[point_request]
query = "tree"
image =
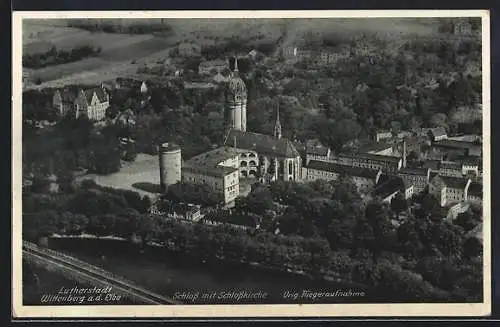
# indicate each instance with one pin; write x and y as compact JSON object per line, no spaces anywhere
{"x":399,"y":203}
{"x":467,"y":220}
{"x":378,"y":218}
{"x":472,"y":247}
{"x":395,"y":128}
{"x":439,"y":120}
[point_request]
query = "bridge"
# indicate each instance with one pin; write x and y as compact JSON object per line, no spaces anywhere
{"x":92,"y":274}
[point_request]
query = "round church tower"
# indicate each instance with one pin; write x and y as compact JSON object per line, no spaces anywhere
{"x":236,"y":101}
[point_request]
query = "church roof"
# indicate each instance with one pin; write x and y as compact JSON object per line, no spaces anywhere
{"x":262,"y":144}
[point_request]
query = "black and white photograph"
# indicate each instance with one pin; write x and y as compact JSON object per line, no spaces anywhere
{"x":221,"y":164}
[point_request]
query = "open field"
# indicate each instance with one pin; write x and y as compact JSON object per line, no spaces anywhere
{"x":117,"y":50}
{"x":144,"y":170}
{"x":122,"y":54}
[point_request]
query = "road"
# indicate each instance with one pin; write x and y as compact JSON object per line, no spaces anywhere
{"x":86,"y":271}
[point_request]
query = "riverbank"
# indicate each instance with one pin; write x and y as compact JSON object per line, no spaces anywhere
{"x":194,"y":282}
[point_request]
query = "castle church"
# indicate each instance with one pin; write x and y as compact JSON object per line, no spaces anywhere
{"x":266,"y":157}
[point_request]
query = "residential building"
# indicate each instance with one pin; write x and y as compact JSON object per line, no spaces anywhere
{"x":417,"y":177}
{"x":92,"y":103}
{"x":387,"y":135}
{"x":389,"y":187}
{"x":387,"y":164}
{"x":290,"y":53}
{"x":433,"y":165}
{"x":184,"y":211}
{"x":457,"y":148}
{"x":450,"y":168}
{"x":317,"y":152}
{"x":333,"y":57}
{"x":475,"y":193}
{"x":380,"y":148}
{"x":64,"y":101}
{"x":449,"y":190}
{"x":437,"y":134}
{"x":364,"y":178}
{"x":139,"y":86}
{"x":212,"y":66}
{"x":462,"y":27}
{"x":218,"y":169}
{"x":382,"y":135}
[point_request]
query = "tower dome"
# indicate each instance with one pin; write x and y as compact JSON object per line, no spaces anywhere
{"x":236,"y":86}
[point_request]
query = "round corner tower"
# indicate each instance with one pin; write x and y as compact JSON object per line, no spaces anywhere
{"x":170,"y":164}
{"x":236,"y":101}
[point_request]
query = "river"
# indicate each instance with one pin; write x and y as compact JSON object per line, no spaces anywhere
{"x":186,"y":279}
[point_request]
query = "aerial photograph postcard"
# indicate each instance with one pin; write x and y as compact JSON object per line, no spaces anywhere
{"x":251,"y":164}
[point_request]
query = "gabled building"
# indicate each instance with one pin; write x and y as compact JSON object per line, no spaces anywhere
{"x":390,"y":186}
{"x":449,"y":190}
{"x":262,"y":154}
{"x":92,"y":103}
{"x":64,"y":101}
{"x":416,"y":177}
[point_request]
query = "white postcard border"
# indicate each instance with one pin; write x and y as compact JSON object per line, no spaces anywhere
{"x":200,"y":311}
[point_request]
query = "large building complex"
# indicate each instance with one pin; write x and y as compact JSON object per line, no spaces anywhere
{"x":218,"y":169}
{"x":244,"y":154}
{"x":268,"y":157}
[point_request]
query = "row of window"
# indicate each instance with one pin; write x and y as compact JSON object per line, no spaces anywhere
{"x":250,"y":155}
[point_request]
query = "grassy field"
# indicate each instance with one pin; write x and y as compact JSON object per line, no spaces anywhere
{"x":117,"y":51}
{"x":122,"y":54}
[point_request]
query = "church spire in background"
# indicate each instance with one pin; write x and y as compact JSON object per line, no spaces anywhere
{"x":235,"y":64}
{"x":277,"y":125}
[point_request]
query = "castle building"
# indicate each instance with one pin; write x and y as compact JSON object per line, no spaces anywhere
{"x":218,"y":169}
{"x":268,"y":157}
{"x":170,"y":164}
